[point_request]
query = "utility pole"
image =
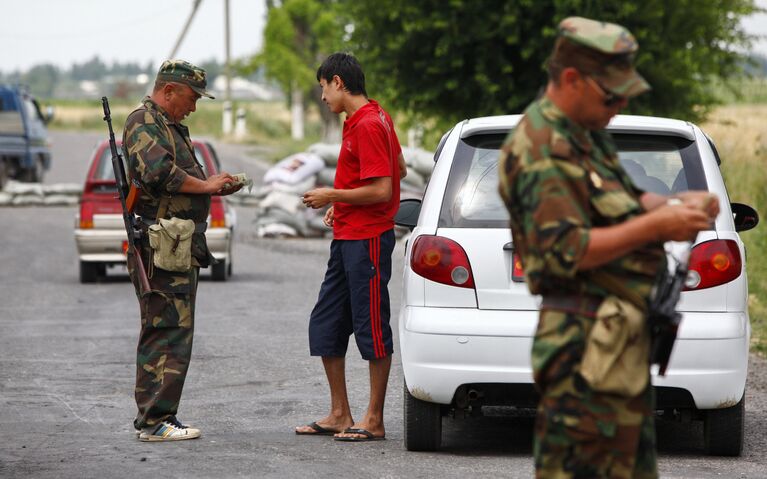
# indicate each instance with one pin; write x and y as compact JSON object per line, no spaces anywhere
{"x":180,"y":39}
{"x":185,"y":29}
{"x":226,"y":125}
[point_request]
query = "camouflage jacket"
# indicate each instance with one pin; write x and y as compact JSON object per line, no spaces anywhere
{"x":160,"y":164}
{"x":559,"y":180}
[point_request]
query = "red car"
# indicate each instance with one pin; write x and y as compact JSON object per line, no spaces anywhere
{"x":99,"y":230}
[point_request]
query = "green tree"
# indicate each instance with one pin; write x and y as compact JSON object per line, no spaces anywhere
{"x":298,"y":35}
{"x":42,"y":79}
{"x":93,"y":69}
{"x":463,"y":58}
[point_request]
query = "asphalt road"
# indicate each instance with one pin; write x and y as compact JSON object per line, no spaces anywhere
{"x":67,"y":355}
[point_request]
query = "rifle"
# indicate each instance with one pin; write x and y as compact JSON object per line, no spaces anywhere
{"x":127,"y":198}
{"x":662,"y":316}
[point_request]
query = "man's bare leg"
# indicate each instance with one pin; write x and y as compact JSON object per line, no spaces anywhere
{"x":373,"y":420}
{"x":340,"y":416}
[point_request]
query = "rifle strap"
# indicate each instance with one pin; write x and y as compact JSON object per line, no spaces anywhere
{"x":615,"y":286}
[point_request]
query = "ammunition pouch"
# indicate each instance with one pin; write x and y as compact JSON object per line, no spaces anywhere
{"x":617,"y":349}
{"x":171,"y":243}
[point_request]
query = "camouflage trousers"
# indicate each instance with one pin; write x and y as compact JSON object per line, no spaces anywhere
{"x":579,"y":432}
{"x":164,"y":349}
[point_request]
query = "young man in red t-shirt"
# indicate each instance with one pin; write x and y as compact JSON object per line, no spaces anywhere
{"x":354,"y":297}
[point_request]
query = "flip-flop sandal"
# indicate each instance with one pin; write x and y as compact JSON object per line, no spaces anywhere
{"x":363,"y":432}
{"x":318,"y":431}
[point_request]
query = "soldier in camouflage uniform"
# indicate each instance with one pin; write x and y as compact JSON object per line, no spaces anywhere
{"x":574,"y":212}
{"x":162,"y":164}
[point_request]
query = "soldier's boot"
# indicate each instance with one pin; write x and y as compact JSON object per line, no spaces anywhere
{"x":169,"y":430}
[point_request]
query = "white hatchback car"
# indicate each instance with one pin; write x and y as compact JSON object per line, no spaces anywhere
{"x":467,"y":318}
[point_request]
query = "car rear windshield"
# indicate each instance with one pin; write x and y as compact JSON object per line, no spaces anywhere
{"x":104,"y":169}
{"x":656,"y":163}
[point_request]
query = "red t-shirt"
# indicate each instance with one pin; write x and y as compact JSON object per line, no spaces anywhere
{"x":369,"y":149}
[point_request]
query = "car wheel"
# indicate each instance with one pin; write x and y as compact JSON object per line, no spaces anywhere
{"x":34,"y":174}
{"x":723,"y":430}
{"x":218,"y":271}
{"x":423,"y":424}
{"x":90,"y":272}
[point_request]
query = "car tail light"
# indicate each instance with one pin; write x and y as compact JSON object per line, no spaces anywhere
{"x":713,"y":263}
{"x":442,"y":260}
{"x":217,"y":213}
{"x":517,"y":273}
{"x":86,"y":215}
{"x":125,"y":248}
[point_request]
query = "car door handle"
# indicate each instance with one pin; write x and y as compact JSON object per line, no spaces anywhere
{"x":509,"y":246}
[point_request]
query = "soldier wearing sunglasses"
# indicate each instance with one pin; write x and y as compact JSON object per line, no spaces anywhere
{"x":576,"y":217}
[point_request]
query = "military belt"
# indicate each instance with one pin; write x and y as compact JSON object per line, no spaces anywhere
{"x":198,"y":227}
{"x":585,"y":304}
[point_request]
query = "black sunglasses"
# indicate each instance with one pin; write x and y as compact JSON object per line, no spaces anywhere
{"x":608,"y":98}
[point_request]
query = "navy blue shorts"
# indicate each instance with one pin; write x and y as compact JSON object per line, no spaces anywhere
{"x":354,"y":299}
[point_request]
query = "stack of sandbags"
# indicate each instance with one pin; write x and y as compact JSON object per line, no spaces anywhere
{"x":17,"y":193}
{"x":279,"y":209}
{"x":61,"y":194}
{"x":420,"y":164}
{"x":280,"y":212}
{"x":329,"y":154}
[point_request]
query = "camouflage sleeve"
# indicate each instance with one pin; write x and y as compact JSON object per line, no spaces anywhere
{"x":555,"y":218}
{"x":150,"y":156}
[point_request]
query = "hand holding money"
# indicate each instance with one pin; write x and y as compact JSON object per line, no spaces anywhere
{"x":241,"y":180}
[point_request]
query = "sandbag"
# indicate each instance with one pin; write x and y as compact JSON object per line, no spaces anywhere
{"x":19,"y":188}
{"x":62,"y":189}
{"x":326,"y":176}
{"x":286,"y":201}
{"x":419,"y":160}
{"x":294,"y":169}
{"x":275,"y":230}
{"x":298,"y":189}
{"x":327,"y":151}
{"x":27,"y":200}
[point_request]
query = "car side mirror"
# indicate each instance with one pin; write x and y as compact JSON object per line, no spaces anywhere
{"x":408,"y":212}
{"x":745,"y":216}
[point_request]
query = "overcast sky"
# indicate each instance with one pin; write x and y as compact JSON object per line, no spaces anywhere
{"x":66,"y":31}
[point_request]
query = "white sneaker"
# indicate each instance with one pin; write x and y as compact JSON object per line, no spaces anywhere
{"x":169,"y":430}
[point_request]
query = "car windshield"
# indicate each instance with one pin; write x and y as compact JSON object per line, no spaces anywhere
{"x":658,"y":164}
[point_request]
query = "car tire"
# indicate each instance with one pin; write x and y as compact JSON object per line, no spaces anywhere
{"x":90,"y":272}
{"x":423,"y":424}
{"x":34,"y":174}
{"x":724,"y":430}
{"x":218,"y":271}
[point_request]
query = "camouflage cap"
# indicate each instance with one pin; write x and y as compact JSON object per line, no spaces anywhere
{"x":181,"y":71}
{"x":619,"y":47}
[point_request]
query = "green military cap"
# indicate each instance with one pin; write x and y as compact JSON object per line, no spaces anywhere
{"x":181,"y":71}
{"x":617,"y":44}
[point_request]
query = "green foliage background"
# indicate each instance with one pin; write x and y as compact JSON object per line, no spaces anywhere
{"x":455,"y":59}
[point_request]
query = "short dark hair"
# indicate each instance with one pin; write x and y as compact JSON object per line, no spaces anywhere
{"x":347,"y":68}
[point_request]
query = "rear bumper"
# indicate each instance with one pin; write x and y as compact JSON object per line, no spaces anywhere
{"x":219,"y":242}
{"x":100,"y":245}
{"x":444,"y":348}
{"x":106,"y":245}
